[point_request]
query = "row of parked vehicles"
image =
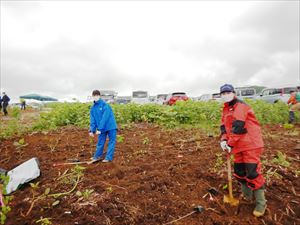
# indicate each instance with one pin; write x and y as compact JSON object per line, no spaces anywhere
{"x":271,"y":95}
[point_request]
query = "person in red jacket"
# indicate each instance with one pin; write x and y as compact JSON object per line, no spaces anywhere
{"x":241,"y":136}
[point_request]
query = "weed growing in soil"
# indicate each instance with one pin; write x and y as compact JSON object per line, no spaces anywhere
{"x":219,"y":163}
{"x":281,"y":160}
{"x":85,"y":194}
{"x":120,"y":138}
{"x":5,"y":209}
{"x":44,"y":221}
{"x":20,"y":144}
{"x":272,"y":175}
{"x":109,"y":189}
{"x":146,"y":141}
{"x":288,"y":126}
{"x":72,"y":178}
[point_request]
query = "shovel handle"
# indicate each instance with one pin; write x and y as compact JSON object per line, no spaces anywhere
{"x":69,"y":163}
{"x":229,"y":176}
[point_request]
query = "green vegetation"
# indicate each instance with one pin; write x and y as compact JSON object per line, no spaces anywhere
{"x":204,"y":115}
{"x":281,"y":160}
{"x":120,"y":138}
{"x":85,"y":194}
{"x":5,"y":209}
{"x":44,"y":221}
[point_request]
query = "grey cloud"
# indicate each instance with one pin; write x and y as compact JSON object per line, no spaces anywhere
{"x":264,"y":31}
{"x":59,"y":68}
{"x":278,"y":22}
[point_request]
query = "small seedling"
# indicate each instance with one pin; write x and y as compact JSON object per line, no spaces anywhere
{"x":44,"y":221}
{"x":288,"y":126}
{"x":280,"y":159}
{"x":53,"y":146}
{"x":120,"y":138}
{"x":20,"y":144}
{"x":109,"y":189}
{"x":146,"y":141}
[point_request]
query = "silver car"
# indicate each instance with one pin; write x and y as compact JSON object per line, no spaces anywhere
{"x":273,"y":95}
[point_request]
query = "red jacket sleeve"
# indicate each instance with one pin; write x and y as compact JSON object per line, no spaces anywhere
{"x":223,"y":129}
{"x":238,"y":124}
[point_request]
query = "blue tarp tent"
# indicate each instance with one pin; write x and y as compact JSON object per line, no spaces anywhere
{"x":38,"y":97}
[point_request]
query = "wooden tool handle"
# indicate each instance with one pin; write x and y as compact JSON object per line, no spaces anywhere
{"x":229,"y":176}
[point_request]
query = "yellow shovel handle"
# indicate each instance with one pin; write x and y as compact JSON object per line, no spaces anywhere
{"x":229,"y":176}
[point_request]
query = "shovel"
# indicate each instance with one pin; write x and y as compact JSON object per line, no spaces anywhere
{"x":229,"y":198}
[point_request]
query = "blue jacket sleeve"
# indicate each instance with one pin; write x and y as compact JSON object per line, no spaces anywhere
{"x":92,"y":123}
{"x":104,"y":118}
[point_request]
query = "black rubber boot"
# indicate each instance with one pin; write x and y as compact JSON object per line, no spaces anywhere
{"x":291,"y":117}
{"x":261,"y":202}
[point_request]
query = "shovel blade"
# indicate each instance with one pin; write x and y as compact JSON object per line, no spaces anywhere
{"x":231,"y":200}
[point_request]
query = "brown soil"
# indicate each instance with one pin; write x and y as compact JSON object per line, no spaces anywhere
{"x":157,"y":176}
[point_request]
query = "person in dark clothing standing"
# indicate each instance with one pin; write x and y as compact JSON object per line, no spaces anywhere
{"x":23,"y":104}
{"x":0,"y":103}
{"x":5,"y":100}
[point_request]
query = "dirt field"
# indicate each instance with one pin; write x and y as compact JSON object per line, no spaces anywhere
{"x":156,"y":177}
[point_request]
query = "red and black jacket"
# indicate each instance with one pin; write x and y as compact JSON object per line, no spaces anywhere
{"x":240,"y":127}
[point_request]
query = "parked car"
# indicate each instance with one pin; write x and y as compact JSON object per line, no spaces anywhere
{"x":176,"y":96}
{"x":140,"y":97}
{"x":210,"y":97}
{"x":273,"y":95}
{"x":160,"y":99}
{"x":108,"y":96}
{"x":122,"y":101}
{"x":245,"y":92}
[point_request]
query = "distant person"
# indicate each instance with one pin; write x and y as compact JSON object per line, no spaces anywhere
{"x":0,"y":103}
{"x":5,"y":101}
{"x":103,"y":123}
{"x":23,"y":104}
{"x":241,"y":136}
{"x":294,"y":104}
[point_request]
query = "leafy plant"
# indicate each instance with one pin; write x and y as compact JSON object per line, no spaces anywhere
{"x":74,"y":178}
{"x":53,"y":145}
{"x":288,"y":126}
{"x":219,"y":162}
{"x":16,"y":113}
{"x":85,"y":194}
{"x":20,"y":144}
{"x":120,"y":138}
{"x":5,"y":208}
{"x":146,"y":141}
{"x":109,"y":189}
{"x":44,"y":221}
{"x":280,"y":159}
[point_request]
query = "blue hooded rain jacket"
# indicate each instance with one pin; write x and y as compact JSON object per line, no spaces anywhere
{"x":102,"y":117}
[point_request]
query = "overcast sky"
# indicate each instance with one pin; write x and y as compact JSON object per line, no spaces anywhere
{"x":67,"y":49}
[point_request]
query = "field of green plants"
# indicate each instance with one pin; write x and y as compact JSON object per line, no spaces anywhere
{"x":204,"y":115}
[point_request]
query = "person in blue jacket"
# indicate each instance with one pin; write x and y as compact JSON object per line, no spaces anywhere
{"x":103,"y":124}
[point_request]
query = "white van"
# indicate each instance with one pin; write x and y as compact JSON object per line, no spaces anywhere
{"x":245,"y":92}
{"x":140,"y":97}
{"x":108,"y":96}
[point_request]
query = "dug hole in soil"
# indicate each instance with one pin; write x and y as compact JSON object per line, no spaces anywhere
{"x":157,"y":176}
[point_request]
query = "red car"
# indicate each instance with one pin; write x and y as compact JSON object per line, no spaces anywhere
{"x":176,"y":96}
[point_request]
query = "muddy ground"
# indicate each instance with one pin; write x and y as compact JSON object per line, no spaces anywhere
{"x":157,"y":176}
